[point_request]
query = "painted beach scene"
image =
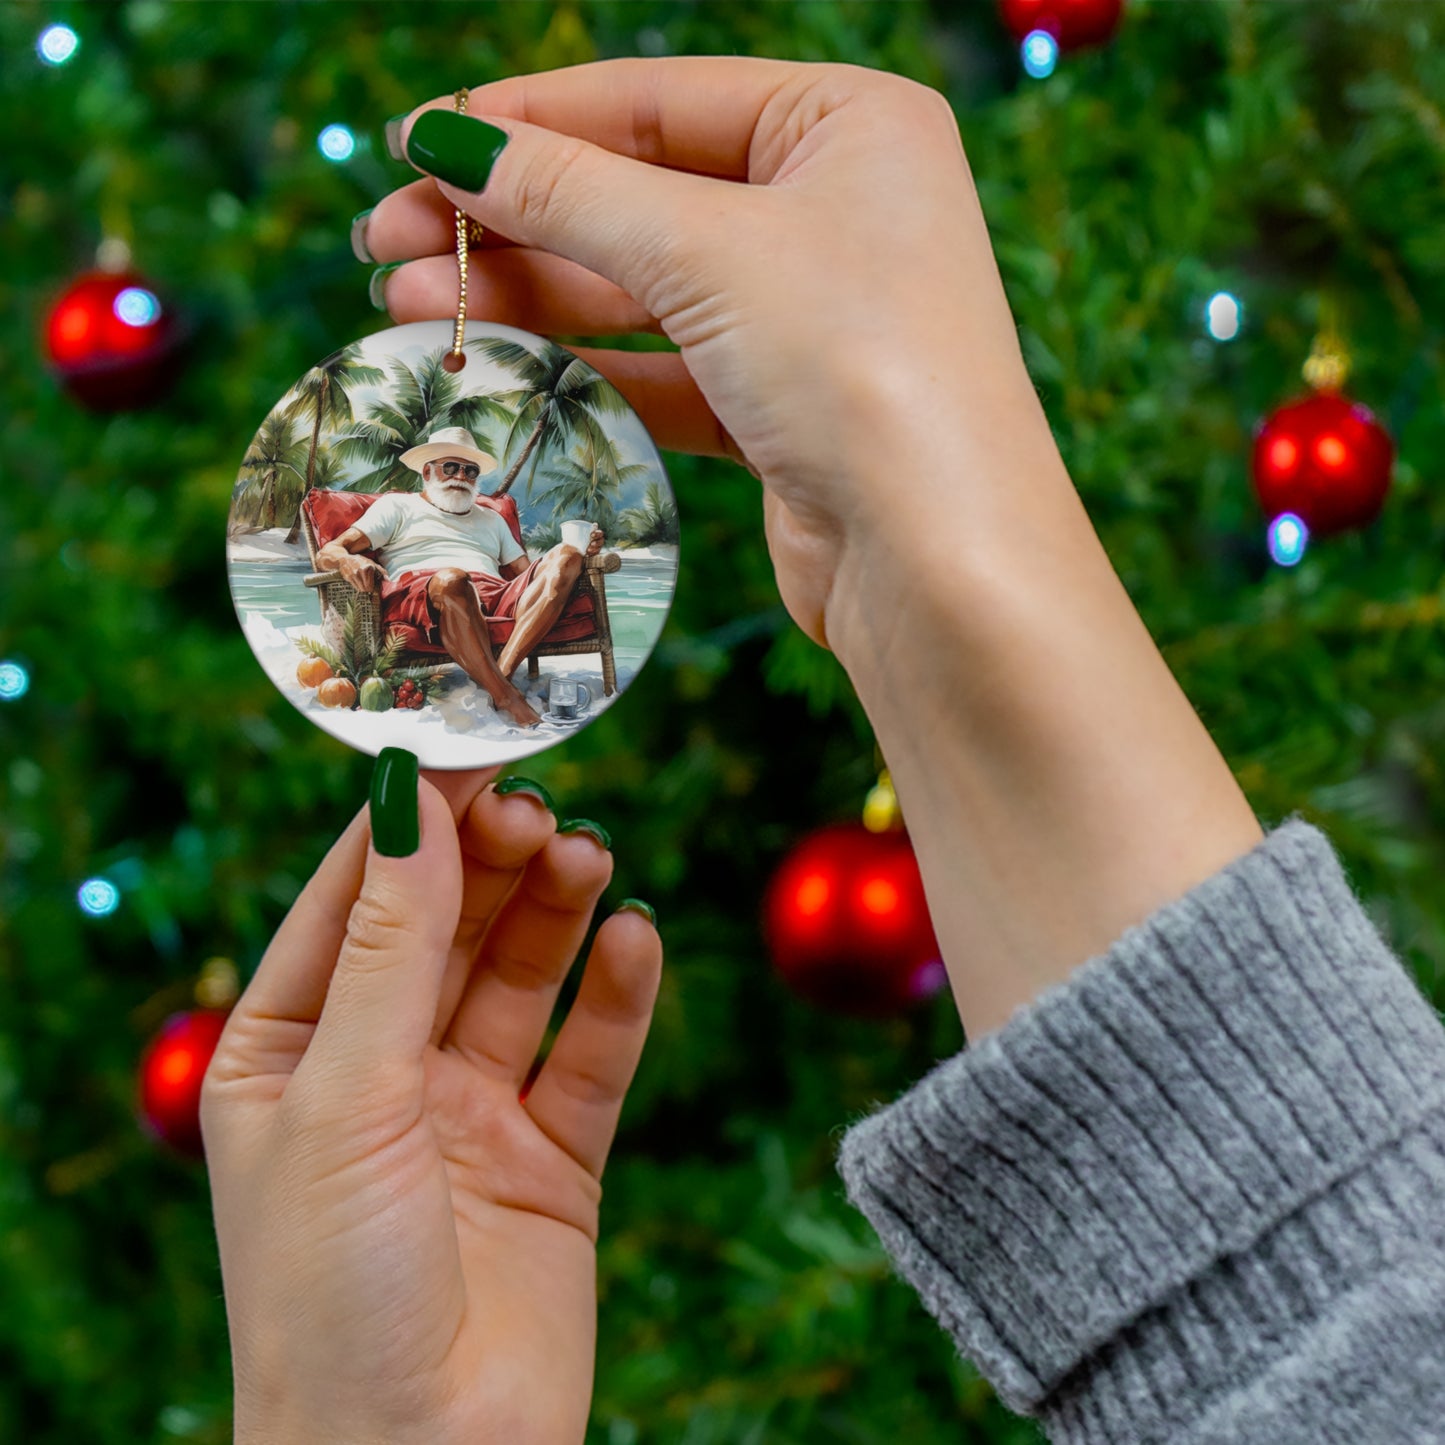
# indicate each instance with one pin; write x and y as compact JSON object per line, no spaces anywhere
{"x":468,"y":563}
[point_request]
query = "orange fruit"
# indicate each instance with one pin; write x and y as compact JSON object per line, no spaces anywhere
{"x":336,"y":692}
{"x":313,"y":672}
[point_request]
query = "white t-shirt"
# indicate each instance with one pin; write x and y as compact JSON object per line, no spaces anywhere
{"x":410,"y":535}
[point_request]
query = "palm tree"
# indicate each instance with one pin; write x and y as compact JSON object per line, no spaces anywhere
{"x":559,"y":400}
{"x":415,"y":403}
{"x":588,"y":483}
{"x":324,"y":394}
{"x":272,"y":478}
{"x":654,"y":521}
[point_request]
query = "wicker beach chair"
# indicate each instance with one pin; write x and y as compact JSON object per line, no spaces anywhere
{"x":583,"y":626}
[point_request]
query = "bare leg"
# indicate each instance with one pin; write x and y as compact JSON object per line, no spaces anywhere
{"x":541,"y":604}
{"x":463,"y":629}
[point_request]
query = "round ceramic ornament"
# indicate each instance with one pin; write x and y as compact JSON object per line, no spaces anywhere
{"x":456,"y":540}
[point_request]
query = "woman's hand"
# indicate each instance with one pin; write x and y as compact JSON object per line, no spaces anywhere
{"x":408,"y":1246}
{"x":834,"y":311}
{"x":811,"y":238}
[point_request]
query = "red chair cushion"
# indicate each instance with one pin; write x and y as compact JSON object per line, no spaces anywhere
{"x":331,"y":513}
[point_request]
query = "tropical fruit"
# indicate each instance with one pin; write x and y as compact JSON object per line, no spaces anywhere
{"x":313,"y":671}
{"x":336,"y":692}
{"x":376,"y":695}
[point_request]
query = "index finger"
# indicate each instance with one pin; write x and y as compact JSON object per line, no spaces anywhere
{"x":696,"y":113}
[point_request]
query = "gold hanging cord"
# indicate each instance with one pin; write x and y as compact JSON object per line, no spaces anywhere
{"x":469,"y":233}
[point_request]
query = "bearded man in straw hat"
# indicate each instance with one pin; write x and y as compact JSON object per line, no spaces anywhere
{"x":447,"y":564}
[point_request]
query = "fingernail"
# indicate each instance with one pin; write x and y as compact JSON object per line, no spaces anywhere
{"x":358,"y":236}
{"x":509,"y":786}
{"x":455,"y":148}
{"x":586,"y":825}
{"x":377,"y":288}
{"x":395,"y":820}
{"x":393,"y":137}
{"x":636,"y":905}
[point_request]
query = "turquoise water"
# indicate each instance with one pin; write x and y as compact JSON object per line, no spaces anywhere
{"x":637,"y":599}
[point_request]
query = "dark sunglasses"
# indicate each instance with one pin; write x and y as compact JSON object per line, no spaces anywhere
{"x":469,"y":470}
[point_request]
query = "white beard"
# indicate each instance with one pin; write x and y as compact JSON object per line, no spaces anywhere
{"x":441,"y":493}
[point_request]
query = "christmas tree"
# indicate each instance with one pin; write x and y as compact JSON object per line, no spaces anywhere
{"x":1280,"y":159}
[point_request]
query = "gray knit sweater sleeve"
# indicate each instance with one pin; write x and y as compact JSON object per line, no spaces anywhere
{"x":1196,"y":1192}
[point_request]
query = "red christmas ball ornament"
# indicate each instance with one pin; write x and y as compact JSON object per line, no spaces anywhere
{"x":1073,"y":23}
{"x":111,"y":341}
{"x":171,"y":1072}
{"x":1324,"y":458}
{"x":848,"y":926}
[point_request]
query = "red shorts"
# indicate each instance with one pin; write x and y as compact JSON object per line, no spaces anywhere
{"x":405,"y":608}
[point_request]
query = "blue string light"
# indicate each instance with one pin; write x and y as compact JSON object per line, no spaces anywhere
{"x":57,"y":44}
{"x":1223,"y":316}
{"x":336,"y":143}
{"x":98,"y":897}
{"x":14,"y":681}
{"x":1288,"y":538}
{"x":1040,"y":52}
{"x":137,"y":307}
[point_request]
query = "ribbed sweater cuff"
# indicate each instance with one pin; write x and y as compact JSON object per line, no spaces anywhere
{"x":1136,"y":1169}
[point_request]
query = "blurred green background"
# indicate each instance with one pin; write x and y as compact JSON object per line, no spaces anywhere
{"x":1287,"y":153}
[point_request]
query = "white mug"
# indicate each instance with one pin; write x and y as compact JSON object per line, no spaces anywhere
{"x":577,"y":533}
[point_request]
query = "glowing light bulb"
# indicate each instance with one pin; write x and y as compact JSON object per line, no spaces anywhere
{"x":336,"y":143}
{"x":1223,"y":316}
{"x":98,"y":897}
{"x":14,"y":681}
{"x":1288,"y":537}
{"x":1040,"y":52}
{"x":57,"y":44}
{"x":137,"y":307}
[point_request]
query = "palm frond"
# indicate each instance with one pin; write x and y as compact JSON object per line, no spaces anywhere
{"x":314,"y":647}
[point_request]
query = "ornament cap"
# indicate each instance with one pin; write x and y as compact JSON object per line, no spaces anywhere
{"x":881,"y":813}
{"x":113,"y":254}
{"x":219,"y":985}
{"x":1328,"y":365}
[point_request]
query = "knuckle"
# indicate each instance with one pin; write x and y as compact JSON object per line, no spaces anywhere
{"x":521,"y":970}
{"x":930,"y":106}
{"x":374,"y":933}
{"x":542,"y":187}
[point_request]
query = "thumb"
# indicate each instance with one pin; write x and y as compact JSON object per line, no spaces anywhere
{"x":382,"y":1000}
{"x":634,"y":224}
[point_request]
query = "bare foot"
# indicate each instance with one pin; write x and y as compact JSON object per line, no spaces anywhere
{"x":515,"y":706}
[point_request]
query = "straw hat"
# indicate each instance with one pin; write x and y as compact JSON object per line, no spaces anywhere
{"x":450,"y":441}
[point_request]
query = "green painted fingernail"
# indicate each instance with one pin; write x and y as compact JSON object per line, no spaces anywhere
{"x":377,"y":289}
{"x":525,"y":785}
{"x":455,"y":148}
{"x":395,"y":811}
{"x":636,"y":905}
{"x":358,"y":236}
{"x":586,"y":825}
{"x":393,"y":136}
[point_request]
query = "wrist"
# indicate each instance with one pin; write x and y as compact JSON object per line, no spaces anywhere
{"x":1057,"y":784}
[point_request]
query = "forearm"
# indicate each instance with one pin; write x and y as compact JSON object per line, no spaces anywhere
{"x":1056,"y":782}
